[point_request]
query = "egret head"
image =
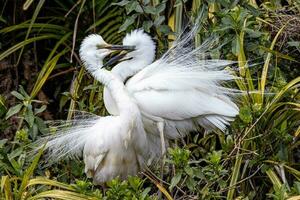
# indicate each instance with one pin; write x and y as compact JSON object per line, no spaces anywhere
{"x":92,"y":53}
{"x":144,"y":46}
{"x":141,"y":54}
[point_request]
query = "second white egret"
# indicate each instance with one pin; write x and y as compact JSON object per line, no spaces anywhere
{"x":177,"y":92}
{"x":113,"y":145}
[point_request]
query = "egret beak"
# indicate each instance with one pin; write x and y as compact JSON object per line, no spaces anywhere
{"x":118,"y":58}
{"x":124,"y":49}
{"x":114,"y":47}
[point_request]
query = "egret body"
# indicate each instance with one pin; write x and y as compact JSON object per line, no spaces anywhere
{"x":179,"y":91}
{"x":114,"y":145}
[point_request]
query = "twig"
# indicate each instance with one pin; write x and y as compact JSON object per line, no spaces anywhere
{"x":75,"y":30}
{"x":61,"y":73}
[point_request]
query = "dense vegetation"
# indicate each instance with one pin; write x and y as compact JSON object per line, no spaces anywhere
{"x":42,"y":78}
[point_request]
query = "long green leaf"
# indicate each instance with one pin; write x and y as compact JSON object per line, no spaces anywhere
{"x":35,"y":25}
{"x":275,"y":180}
{"x":266,"y":65}
{"x":35,"y":14}
{"x":75,"y":87}
{"x":25,"y":42}
{"x":50,"y":56}
{"x":234,"y":177}
{"x":61,"y":194}
{"x":27,"y":4}
{"x":49,"y":68}
{"x":46,"y":181}
{"x":6,"y":187}
{"x":280,"y":94}
{"x":105,"y":19}
{"x":278,"y":54}
{"x":28,"y":173}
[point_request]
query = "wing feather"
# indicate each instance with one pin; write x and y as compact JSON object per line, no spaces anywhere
{"x":183,"y":84}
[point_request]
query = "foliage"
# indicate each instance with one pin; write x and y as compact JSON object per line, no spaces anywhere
{"x":23,"y":187}
{"x":42,"y":79}
{"x":131,"y":189}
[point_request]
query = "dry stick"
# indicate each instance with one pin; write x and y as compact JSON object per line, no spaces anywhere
{"x":61,"y":73}
{"x":149,"y":173}
{"x":94,"y":15}
{"x":74,"y":6}
{"x":243,"y":180}
{"x":75,"y":30}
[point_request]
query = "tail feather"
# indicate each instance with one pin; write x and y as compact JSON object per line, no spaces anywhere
{"x":68,"y":137}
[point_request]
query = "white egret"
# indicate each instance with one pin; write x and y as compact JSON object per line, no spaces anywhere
{"x":173,"y":95}
{"x":113,"y":145}
{"x":179,"y":91}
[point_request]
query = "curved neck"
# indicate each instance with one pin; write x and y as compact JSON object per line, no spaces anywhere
{"x":128,"y":68}
{"x":116,"y":88}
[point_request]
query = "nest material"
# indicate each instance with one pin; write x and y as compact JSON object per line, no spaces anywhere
{"x":291,"y":30}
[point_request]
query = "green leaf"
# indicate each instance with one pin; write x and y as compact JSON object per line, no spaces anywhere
{"x":160,"y":8}
{"x":24,"y":43}
{"x":189,"y":171}
{"x":15,"y":153}
{"x":29,"y":117}
{"x":23,"y":92}
{"x":121,"y":3}
{"x":39,"y":110}
{"x":34,"y":131}
{"x":27,"y":4}
{"x":145,"y":192}
{"x":294,"y":44}
{"x":3,"y":142}
{"x":38,"y":8}
{"x":2,"y":101}
{"x":28,"y":173}
{"x":13,"y":110}
{"x":129,"y":21}
{"x":175,"y":180}
{"x":215,"y":157}
{"x":147,"y":25}
{"x":150,"y":10}
{"x":159,"y":20}
{"x":47,"y":69}
{"x":61,"y":194}
{"x":41,"y":125}
{"x":165,"y":29}
{"x":2,"y":20}
{"x":245,"y":114}
{"x":16,"y":166}
{"x":278,"y":54}
{"x":191,"y":184}
{"x":18,"y":95}
{"x":131,"y":6}
{"x":263,"y":80}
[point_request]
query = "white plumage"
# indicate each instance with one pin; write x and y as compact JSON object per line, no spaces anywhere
{"x":112,"y":146}
{"x":171,"y":96}
{"x":179,"y":91}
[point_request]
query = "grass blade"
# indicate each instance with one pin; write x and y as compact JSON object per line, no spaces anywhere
{"x":27,"y":4}
{"x":25,"y":42}
{"x":266,"y":64}
{"x":28,"y":173}
{"x":61,"y":194}
{"x":35,"y":14}
{"x":234,"y":177}
{"x":74,"y":90}
{"x":45,"y":74}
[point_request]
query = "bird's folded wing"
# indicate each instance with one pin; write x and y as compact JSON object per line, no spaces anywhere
{"x":180,"y":90}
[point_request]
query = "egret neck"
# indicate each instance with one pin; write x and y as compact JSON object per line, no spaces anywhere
{"x":134,"y":61}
